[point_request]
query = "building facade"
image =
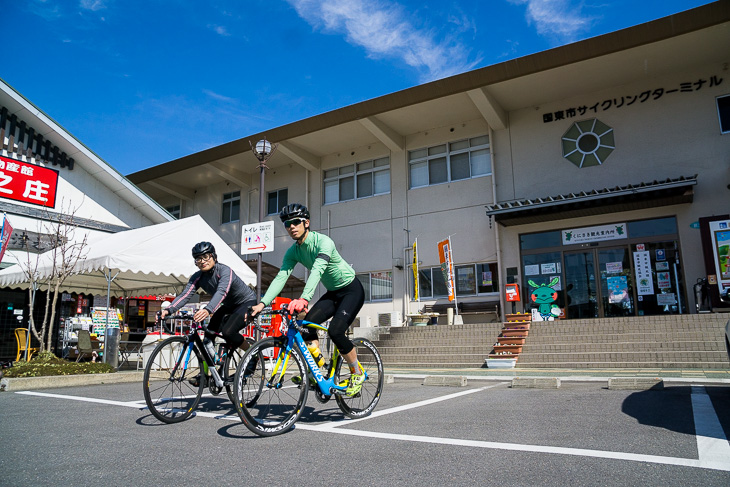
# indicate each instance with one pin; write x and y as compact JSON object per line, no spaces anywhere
{"x":593,"y":168}
{"x":47,"y":176}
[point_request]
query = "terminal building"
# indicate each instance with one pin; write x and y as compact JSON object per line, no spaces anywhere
{"x":597,"y":168}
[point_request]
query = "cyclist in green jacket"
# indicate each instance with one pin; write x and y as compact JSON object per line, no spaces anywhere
{"x":343,"y":299}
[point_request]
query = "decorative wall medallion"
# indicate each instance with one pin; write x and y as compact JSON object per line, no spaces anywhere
{"x":588,"y":143}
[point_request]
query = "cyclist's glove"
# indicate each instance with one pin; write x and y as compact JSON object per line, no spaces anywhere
{"x":298,"y":305}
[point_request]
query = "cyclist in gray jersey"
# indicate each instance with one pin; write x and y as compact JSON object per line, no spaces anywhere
{"x":343,"y":299}
{"x":231,"y":297}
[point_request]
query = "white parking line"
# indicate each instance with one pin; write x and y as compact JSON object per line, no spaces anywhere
{"x":712,"y":445}
{"x":383,"y":412}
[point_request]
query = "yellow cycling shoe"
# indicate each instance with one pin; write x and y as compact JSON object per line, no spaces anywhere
{"x":355,"y":384}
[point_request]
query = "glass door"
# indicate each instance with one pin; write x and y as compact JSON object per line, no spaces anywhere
{"x":617,"y":284}
{"x":580,"y":285}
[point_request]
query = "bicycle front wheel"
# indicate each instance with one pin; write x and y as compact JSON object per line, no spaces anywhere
{"x":168,"y":392}
{"x":272,"y":407}
{"x":362,"y":403}
{"x":256,"y":368}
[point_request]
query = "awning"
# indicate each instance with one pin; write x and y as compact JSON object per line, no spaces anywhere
{"x":597,"y":202}
{"x":148,"y":260}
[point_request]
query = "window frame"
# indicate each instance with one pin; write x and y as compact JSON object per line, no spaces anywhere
{"x":174,"y":210}
{"x":366,"y":279}
{"x":355,"y":172}
{"x":228,"y":205}
{"x":433,"y":157}
{"x":724,"y":121}
{"x":437,"y":284}
{"x":279,"y":197}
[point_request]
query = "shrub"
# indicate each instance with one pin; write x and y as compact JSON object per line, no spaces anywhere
{"x":48,"y":364}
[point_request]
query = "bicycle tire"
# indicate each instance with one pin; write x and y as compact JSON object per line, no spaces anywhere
{"x":169,"y":395}
{"x":362,"y":404}
{"x":235,"y":357}
{"x":277,"y":405}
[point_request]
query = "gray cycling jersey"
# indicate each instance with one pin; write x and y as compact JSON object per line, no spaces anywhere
{"x":222,"y":283}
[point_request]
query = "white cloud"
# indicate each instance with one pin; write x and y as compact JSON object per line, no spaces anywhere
{"x":220,"y":30}
{"x":217,"y":96}
{"x":93,"y":5}
{"x":556,"y":18}
{"x":384,"y":30}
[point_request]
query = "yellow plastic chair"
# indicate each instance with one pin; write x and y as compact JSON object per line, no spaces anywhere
{"x":21,"y":335}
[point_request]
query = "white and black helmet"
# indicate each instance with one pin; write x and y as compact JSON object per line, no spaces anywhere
{"x":294,"y":210}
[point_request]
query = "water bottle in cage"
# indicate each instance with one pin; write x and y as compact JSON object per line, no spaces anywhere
{"x":208,"y":343}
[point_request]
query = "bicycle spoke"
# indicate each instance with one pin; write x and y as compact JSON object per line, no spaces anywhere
{"x":363,"y":403}
{"x":273,"y":408}
{"x":168,"y":392}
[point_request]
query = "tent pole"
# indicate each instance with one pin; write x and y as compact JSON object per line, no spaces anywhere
{"x":109,"y":279}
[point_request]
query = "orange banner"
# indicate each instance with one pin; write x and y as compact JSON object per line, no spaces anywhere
{"x":447,"y":267}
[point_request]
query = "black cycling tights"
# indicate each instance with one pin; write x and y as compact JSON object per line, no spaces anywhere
{"x":342,"y":305}
{"x":230,"y":327}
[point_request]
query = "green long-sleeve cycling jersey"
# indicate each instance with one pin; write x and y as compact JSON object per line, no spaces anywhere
{"x":318,"y":254}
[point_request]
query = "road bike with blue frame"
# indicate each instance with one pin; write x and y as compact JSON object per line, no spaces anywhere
{"x":278,"y":405}
{"x":171,"y":390}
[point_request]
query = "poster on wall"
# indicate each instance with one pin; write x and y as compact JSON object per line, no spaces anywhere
{"x":618,"y":289}
{"x":720,"y":231}
{"x":642,"y":268}
{"x":663,"y":281}
{"x":532,"y":270}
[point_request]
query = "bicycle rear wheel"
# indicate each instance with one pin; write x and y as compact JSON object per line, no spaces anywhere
{"x":363,"y":403}
{"x":274,"y":408}
{"x":169,"y":395}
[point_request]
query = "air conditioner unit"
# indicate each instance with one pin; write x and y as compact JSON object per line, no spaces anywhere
{"x":389,"y":319}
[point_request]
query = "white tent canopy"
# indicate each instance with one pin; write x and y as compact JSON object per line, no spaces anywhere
{"x":150,"y":260}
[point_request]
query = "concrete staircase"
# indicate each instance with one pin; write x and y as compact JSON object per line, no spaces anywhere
{"x":686,"y":341}
{"x":439,"y":346}
{"x":679,"y":341}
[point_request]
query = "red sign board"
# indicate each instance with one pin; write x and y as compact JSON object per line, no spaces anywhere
{"x":29,"y":183}
{"x":512,"y":292}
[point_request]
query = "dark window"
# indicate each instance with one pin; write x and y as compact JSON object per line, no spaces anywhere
{"x":723,"y":111}
{"x":540,"y":240}
{"x":231,"y":209}
{"x":277,"y":200}
{"x":651,"y":228}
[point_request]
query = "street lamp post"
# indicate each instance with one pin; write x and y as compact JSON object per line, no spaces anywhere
{"x":263,"y":151}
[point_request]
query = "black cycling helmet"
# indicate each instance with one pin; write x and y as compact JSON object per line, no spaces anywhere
{"x":203,"y":248}
{"x":295,"y":210}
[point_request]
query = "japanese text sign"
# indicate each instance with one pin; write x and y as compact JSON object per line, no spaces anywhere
{"x":29,"y":183}
{"x":257,"y":238}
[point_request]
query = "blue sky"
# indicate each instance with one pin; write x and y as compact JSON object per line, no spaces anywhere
{"x":143,"y":82}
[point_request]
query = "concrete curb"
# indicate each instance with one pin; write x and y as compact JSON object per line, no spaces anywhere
{"x":13,"y":384}
{"x":445,"y":380}
{"x":536,"y":382}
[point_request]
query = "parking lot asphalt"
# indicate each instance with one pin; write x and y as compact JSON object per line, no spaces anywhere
{"x":485,"y":431}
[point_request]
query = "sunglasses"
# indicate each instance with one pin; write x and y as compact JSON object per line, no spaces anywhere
{"x":295,"y":221}
{"x":203,"y":258}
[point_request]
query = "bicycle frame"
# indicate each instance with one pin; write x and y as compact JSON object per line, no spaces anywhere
{"x":208,"y":364}
{"x":326,"y":385}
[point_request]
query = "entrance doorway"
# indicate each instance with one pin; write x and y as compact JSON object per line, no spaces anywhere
{"x":598,"y":283}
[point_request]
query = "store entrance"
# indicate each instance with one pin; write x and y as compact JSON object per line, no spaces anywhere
{"x":598,"y":283}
